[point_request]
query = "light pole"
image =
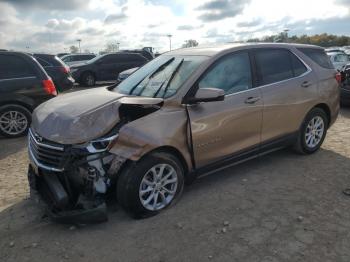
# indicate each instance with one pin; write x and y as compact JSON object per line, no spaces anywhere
{"x":118,"y":46}
{"x":169,"y":40}
{"x":79,"y":40}
{"x":286,"y":30}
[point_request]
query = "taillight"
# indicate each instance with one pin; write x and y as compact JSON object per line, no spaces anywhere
{"x":338,"y":77}
{"x":49,"y":87}
{"x":64,"y":69}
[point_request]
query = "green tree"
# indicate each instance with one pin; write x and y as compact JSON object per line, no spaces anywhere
{"x":324,"y":40}
{"x":73,"y":49}
{"x":190,"y":43}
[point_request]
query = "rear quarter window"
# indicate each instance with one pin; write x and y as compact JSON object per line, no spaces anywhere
{"x":318,"y":56}
{"x":12,"y":66}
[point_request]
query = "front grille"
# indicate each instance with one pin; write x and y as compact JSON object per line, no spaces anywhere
{"x":46,"y":154}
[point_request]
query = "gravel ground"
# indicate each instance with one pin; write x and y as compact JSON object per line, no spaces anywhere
{"x":280,"y":207}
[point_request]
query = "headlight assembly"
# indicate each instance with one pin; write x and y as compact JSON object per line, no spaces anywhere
{"x":98,"y":145}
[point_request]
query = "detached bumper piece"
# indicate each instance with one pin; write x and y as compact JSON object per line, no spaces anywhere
{"x":63,"y":205}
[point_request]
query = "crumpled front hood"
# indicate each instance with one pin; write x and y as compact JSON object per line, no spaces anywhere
{"x":82,"y":116}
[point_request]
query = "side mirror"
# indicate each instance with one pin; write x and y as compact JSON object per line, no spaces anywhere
{"x":207,"y":95}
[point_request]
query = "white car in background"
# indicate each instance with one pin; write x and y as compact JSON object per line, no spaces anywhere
{"x":339,"y":59}
{"x":74,"y":59}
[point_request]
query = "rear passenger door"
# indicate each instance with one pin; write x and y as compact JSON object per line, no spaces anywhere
{"x":288,"y":88}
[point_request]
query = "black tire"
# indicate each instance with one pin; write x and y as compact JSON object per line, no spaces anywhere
{"x":128,"y":184}
{"x":88,"y":79}
{"x":22,"y":111}
{"x":301,"y":145}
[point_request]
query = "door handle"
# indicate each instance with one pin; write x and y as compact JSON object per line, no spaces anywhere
{"x":305,"y":84}
{"x":252,"y":100}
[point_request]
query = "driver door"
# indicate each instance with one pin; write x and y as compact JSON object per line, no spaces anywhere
{"x":224,"y":129}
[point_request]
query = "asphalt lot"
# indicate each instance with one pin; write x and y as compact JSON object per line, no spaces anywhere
{"x":280,"y":207}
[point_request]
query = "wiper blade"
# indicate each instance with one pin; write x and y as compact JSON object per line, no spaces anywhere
{"x":152,"y":75}
{"x":172,"y":76}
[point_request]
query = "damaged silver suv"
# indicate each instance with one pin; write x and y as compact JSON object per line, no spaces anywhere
{"x":185,"y":113}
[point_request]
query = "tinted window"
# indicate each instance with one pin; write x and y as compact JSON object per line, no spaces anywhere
{"x":137,"y":58}
{"x":14,"y":67}
{"x":341,"y":58}
{"x":298,"y":67}
{"x":318,"y":56}
{"x":42,"y":62}
{"x":231,"y":74}
{"x":67,"y":59}
{"x":273,"y":66}
{"x":110,"y":59}
{"x":88,"y":57}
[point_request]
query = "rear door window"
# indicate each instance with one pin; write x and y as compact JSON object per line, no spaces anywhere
{"x":274,"y":65}
{"x":318,"y":56}
{"x":12,"y":66}
{"x":110,"y":59}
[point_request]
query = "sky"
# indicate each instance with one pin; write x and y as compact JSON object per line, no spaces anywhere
{"x":55,"y":25}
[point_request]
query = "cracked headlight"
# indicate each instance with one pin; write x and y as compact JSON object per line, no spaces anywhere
{"x":98,"y":145}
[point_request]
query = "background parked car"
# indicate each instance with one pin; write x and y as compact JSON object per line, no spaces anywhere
{"x":24,"y":84}
{"x":62,"y":54}
{"x":106,"y":67}
{"x":74,"y":59}
{"x":125,"y":74}
{"x":339,"y":59}
{"x":142,"y":52}
{"x":57,"y":70}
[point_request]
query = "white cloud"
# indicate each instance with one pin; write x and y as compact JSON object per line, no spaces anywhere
{"x":137,"y":23}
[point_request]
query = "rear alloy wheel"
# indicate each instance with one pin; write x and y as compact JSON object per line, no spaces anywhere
{"x":88,"y":79}
{"x":150,"y":185}
{"x":313,"y":132}
{"x":14,"y":120}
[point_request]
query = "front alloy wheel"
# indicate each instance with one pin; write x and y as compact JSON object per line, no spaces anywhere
{"x":158,"y":187}
{"x":150,"y":185}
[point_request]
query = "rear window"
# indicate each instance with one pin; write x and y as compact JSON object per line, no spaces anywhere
{"x":48,"y":60}
{"x":42,"y":62}
{"x":12,"y":66}
{"x":318,"y":56}
{"x":273,"y":66}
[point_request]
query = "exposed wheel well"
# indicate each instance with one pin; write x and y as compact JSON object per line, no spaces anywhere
{"x":175,"y":152}
{"x":326,"y":109}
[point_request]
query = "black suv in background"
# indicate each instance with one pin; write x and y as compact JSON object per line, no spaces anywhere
{"x":106,"y":67}
{"x":24,"y":85}
{"x":57,"y":70}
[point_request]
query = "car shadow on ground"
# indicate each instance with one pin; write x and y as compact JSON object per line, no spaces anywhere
{"x":11,"y":146}
{"x":345,"y":111}
{"x":278,"y":188}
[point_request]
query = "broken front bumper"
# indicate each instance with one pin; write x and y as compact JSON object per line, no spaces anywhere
{"x":72,"y":182}
{"x":60,"y":205}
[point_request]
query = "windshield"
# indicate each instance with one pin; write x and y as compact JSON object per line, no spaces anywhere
{"x":161,"y":77}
